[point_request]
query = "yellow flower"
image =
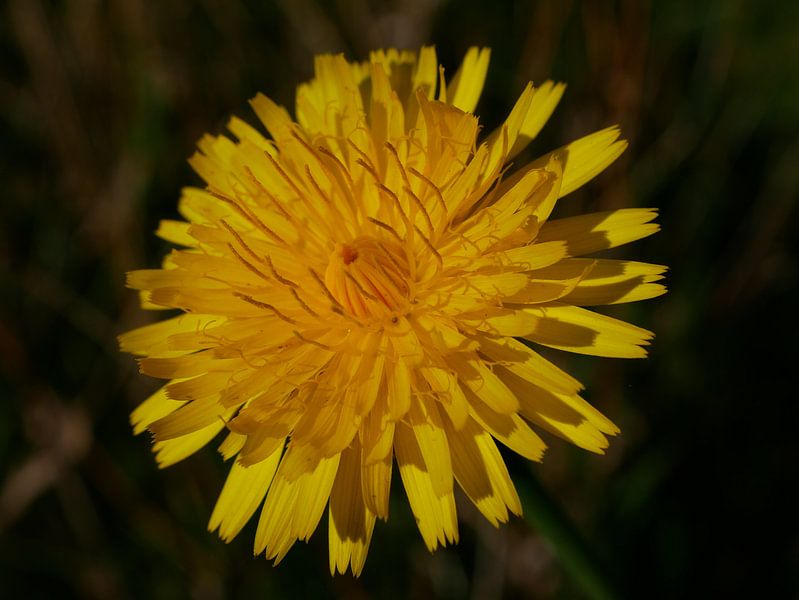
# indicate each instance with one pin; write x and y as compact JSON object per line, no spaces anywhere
{"x":355,"y":291}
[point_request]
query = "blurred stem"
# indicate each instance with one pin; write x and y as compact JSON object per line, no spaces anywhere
{"x":543,"y":513}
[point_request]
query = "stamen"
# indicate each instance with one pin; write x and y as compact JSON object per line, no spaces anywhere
{"x":284,"y":175}
{"x":325,"y":289}
{"x":416,"y":199}
{"x":387,"y":227}
{"x":247,"y":263}
{"x":364,"y":160}
{"x":314,"y":342}
{"x":369,"y":169}
{"x":396,"y":156}
{"x":265,"y":306}
{"x":340,"y":311}
{"x":239,"y":239}
{"x":396,"y":200}
{"x":316,"y":185}
{"x":278,"y":205}
{"x":431,"y":248}
{"x":435,"y":189}
{"x":350,"y":191}
{"x":302,"y":303}
{"x":281,"y":279}
{"x":339,"y":224}
{"x":251,"y":217}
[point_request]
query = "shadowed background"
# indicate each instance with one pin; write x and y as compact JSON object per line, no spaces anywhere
{"x":101,"y":103}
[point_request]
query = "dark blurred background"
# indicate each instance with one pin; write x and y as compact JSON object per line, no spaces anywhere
{"x":101,"y":103}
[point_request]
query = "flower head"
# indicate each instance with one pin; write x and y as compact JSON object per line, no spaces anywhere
{"x":358,"y":292}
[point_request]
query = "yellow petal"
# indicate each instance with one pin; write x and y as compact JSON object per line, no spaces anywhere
{"x":231,"y":445}
{"x":350,"y":523}
{"x":424,"y":81}
{"x":529,"y":365}
{"x":398,"y":389}
{"x":553,"y":414}
{"x":609,"y":281}
{"x":509,"y":429}
{"x":477,"y":377}
{"x":376,"y":481}
{"x":169,"y":452}
{"x":568,"y":328}
{"x":267,"y":439}
{"x":190,"y":417}
{"x":435,"y":516}
{"x":587,"y":157}
{"x":449,"y":393}
{"x":244,"y":131}
{"x":538,"y":290}
{"x":176,"y":232}
{"x":482,"y":474}
{"x":465,"y":88}
{"x":425,"y":421}
{"x":583,"y":331}
{"x":205,"y":385}
{"x":312,"y":497}
{"x":293,"y":507}
{"x":542,"y":105}
{"x":243,"y":491}
{"x":212,"y":172}
{"x":199,"y":206}
{"x":275,"y":118}
{"x":593,"y":232}
{"x":536,"y":256}
{"x":157,"y":406}
{"x":426,"y":73}
{"x":377,"y":432}
{"x":504,"y":137}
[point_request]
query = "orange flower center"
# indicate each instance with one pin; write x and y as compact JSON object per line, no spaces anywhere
{"x":369,"y":277}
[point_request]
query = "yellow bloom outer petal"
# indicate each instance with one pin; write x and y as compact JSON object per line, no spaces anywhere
{"x":352,"y":288}
{"x":171,"y":451}
{"x":591,"y":233}
{"x":555,"y":414}
{"x":528,"y":364}
{"x":464,"y":90}
{"x":607,"y":281}
{"x":243,"y":491}
{"x":482,"y":474}
{"x":435,"y":515}
{"x":232,"y":445}
{"x":427,"y":426}
{"x":425,"y":77}
{"x":176,"y":232}
{"x":505,"y":137}
{"x":157,"y":406}
{"x":509,"y":429}
{"x":293,"y":506}
{"x":350,"y":522}
{"x":483,"y":383}
{"x":589,"y":156}
{"x":541,"y":107}
{"x":569,"y":328}
{"x":190,"y":417}
{"x":376,"y":476}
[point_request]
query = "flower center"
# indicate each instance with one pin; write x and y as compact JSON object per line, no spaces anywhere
{"x":369,"y":277}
